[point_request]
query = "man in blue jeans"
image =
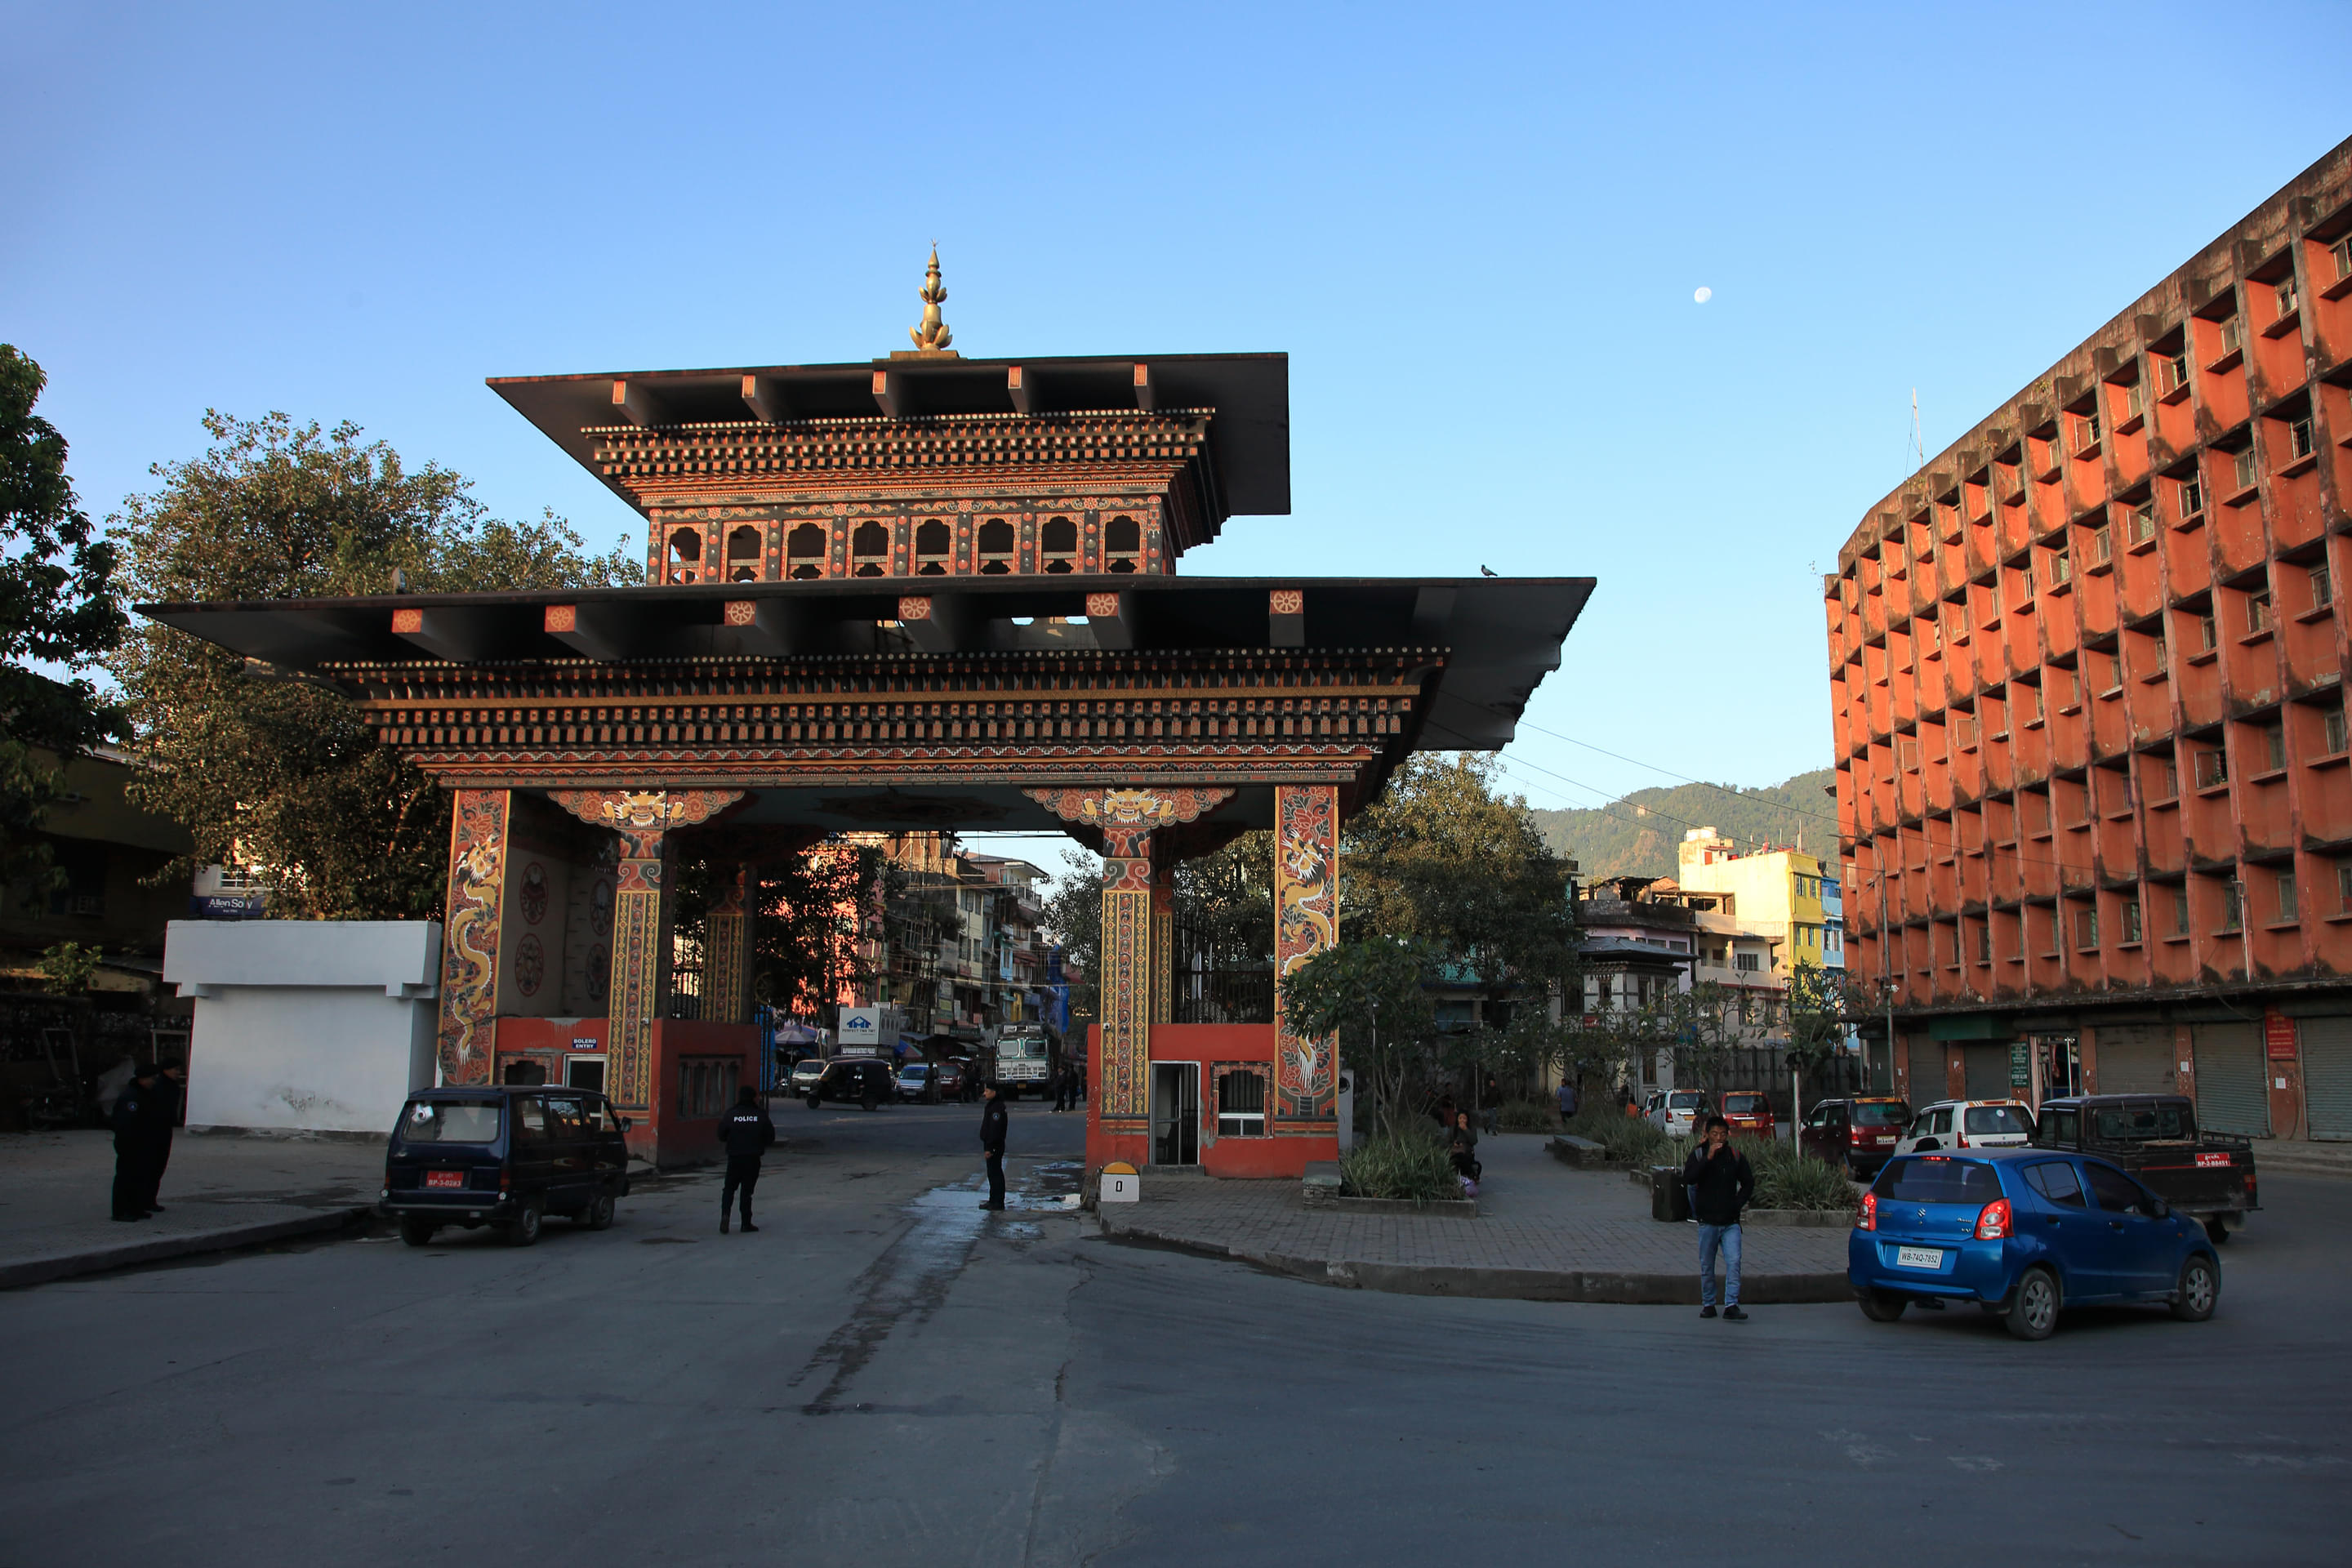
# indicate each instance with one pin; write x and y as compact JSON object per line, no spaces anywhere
{"x":1720,"y":1183}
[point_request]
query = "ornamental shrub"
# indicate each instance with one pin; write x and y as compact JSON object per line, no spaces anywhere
{"x":1408,"y":1163}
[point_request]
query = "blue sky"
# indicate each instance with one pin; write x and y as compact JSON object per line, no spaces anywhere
{"x":1476,"y":232}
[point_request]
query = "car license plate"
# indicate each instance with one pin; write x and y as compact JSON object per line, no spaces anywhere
{"x":445,"y":1178}
{"x":2207,"y":1161}
{"x":1919,"y":1256}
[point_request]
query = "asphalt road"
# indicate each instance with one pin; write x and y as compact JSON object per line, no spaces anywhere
{"x":884,"y":1375}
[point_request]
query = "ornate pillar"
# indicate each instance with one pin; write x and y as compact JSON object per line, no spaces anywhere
{"x":727,"y":945}
{"x":1306,"y":923}
{"x":1163,"y":939}
{"x":641,"y":919}
{"x":1126,"y":818}
{"x":469,"y":932}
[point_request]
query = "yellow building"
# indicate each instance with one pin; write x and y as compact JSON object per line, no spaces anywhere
{"x":1772,"y":892}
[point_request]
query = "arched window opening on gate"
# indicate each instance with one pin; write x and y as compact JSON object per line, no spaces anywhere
{"x":933,"y":545}
{"x":1122,"y":544}
{"x":1058,"y":544}
{"x":804,"y":552}
{"x":744,"y":554}
{"x":685,"y":554}
{"x":996,"y":546}
{"x":869,"y":551}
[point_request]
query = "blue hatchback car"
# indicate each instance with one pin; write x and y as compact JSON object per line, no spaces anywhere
{"x":2024,"y":1233}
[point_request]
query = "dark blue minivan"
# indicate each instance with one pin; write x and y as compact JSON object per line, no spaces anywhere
{"x":2025,"y":1233}
{"x":504,"y":1157}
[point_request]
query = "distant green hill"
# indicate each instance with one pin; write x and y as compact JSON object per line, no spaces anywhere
{"x":1636,"y":836}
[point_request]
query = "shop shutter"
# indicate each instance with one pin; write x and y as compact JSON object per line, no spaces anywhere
{"x":2231,"y":1094}
{"x":2328,"y":1076}
{"x":1986,"y":1066}
{"x":1927,"y":1072}
{"x":2135,"y":1058}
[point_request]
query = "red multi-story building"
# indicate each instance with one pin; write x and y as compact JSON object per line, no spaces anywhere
{"x":2087,"y":669}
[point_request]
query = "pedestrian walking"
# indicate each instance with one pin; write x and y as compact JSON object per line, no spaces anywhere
{"x":1056,"y":1086}
{"x":1568,"y":1099}
{"x":1720,"y":1183}
{"x":992,"y":1143}
{"x":137,"y":1171}
{"x":749,"y":1134}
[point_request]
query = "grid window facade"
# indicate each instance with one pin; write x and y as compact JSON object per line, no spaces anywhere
{"x":2085,"y":665}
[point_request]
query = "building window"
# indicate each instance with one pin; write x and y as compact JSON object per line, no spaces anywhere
{"x":2285,"y":297}
{"x":744,"y":554}
{"x":2287,"y":913}
{"x":2209,"y":635}
{"x":2298,"y":440}
{"x":2102,"y":547}
{"x":933,"y":546}
{"x":2086,"y":929}
{"x":1057,"y":543}
{"x":2062,"y":569}
{"x":1122,"y":544}
{"x":2258,"y":611}
{"x":869,"y":551}
{"x":2233,"y":906}
{"x":2344,"y":885}
{"x":2242,"y":467}
{"x":1984,"y":942}
{"x":685,"y":555}
{"x":705,"y":1085}
{"x":995,"y":547}
{"x":2174,"y":371}
{"x":2331,"y":729}
{"x":2212,"y":766}
{"x":2143,"y":524}
{"x":2274,"y":746}
{"x":2323,"y":587}
{"x":2233,"y":335}
{"x":804,"y":552}
{"x":2192,"y":498}
{"x":2342,"y":251}
{"x":1241,"y":1102}
{"x":2129,"y":910}
{"x":1744,"y":964}
{"x":2180,"y":912}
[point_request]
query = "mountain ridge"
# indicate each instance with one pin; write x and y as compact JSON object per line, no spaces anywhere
{"x":1637,"y":834}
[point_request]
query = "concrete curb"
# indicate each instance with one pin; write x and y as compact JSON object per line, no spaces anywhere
{"x":1620,"y":1286}
{"x":43,"y":1268}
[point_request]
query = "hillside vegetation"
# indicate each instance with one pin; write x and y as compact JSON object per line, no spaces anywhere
{"x":1636,"y":835}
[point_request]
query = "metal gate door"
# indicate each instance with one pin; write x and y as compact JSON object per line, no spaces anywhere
{"x":1927,"y":1072}
{"x":2328,"y":1076}
{"x":1986,"y":1066}
{"x":2135,"y":1058}
{"x":2231,"y":1094}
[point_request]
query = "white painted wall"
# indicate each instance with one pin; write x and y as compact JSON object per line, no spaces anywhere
{"x":306,"y":1026}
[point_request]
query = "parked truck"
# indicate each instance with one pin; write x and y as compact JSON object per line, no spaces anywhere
{"x":1022,"y":1057}
{"x":2207,"y":1175}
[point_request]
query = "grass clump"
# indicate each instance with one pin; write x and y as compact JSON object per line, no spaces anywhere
{"x":1527,"y":1116}
{"x":1789,"y":1179}
{"x":1409,"y":1165}
{"x":1628,"y":1138}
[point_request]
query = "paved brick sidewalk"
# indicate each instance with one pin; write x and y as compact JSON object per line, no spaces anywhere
{"x":218,"y":1192}
{"x":1545,"y":1233}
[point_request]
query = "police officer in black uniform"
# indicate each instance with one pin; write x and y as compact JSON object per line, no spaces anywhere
{"x":991,"y":1140}
{"x":135,"y":1115}
{"x":749,"y":1133}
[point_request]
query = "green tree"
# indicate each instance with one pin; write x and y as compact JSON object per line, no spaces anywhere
{"x":57,"y":608}
{"x":813,"y":912}
{"x":1373,"y":994}
{"x":1444,"y":860}
{"x":283,"y":775}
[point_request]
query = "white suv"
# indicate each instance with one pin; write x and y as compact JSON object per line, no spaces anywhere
{"x":1968,"y":1124}
{"x":1677,"y":1113}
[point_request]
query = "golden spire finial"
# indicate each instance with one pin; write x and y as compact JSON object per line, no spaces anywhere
{"x":932,"y":336}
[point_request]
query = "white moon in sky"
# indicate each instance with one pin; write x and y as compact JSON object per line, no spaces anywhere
{"x":1703,"y":295}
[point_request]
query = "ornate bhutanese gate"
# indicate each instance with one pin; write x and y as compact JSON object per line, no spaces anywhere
{"x":924,"y":593}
